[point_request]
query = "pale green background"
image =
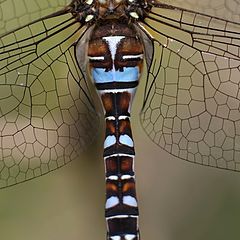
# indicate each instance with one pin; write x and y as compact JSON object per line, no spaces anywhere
{"x":178,"y":200}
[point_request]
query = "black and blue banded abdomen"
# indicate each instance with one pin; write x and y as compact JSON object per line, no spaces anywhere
{"x":115,"y":55}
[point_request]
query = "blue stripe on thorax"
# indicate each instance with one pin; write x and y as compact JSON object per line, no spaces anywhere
{"x":129,"y":74}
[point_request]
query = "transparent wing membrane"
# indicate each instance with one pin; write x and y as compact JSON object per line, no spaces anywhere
{"x":191,"y":102}
{"x":47,"y":117}
{"x":227,"y":9}
{"x":17,"y":13}
{"x":46,"y":111}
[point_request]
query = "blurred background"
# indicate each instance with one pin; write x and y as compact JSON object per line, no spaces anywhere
{"x":178,"y":200}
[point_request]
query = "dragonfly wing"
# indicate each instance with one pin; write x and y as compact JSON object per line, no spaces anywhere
{"x":227,"y":9}
{"x":46,"y":110}
{"x":16,"y":13}
{"x":191,"y":102}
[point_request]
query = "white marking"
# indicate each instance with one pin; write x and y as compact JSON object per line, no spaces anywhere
{"x":89,"y":2}
{"x":109,"y":141}
{"x":133,"y":56}
{"x":113,"y":177}
{"x":129,"y":236}
{"x":134,"y":15}
{"x":115,"y":238}
{"x":102,"y":1}
{"x":121,"y":216}
{"x":113,"y":90}
{"x":126,"y":237}
{"x":119,"y":155}
{"x":126,"y":140}
{"x":110,"y":118}
{"x":111,"y":202}
{"x":123,"y":117}
{"x":127,"y":176}
{"x":130,"y":90}
{"x":89,"y":18}
{"x":97,"y":58}
{"x":112,"y":44}
{"x":130,"y":201}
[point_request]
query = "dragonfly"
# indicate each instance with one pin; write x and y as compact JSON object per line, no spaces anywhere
{"x":190,"y":102}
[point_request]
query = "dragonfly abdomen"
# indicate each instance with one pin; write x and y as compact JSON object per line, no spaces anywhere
{"x":121,"y":208}
{"x":115,"y":58}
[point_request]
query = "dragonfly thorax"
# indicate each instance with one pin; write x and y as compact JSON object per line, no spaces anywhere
{"x":92,"y":10}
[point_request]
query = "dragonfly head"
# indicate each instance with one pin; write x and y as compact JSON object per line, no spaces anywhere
{"x":93,"y":10}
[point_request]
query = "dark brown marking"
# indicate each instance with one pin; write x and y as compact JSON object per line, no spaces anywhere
{"x":128,"y":186}
{"x":97,"y":48}
{"x":116,"y":104}
{"x":119,"y":165}
{"x":131,"y":45}
{"x":126,"y":164}
{"x":107,"y":102}
{"x":124,"y":126}
{"x":110,"y":127}
{"x":124,"y":100}
{"x":111,"y":166}
{"x":116,"y":85}
{"x":122,"y":225}
{"x":111,"y":187}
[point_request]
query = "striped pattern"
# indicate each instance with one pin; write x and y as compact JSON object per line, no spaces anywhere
{"x":115,"y":61}
{"x":121,"y":202}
